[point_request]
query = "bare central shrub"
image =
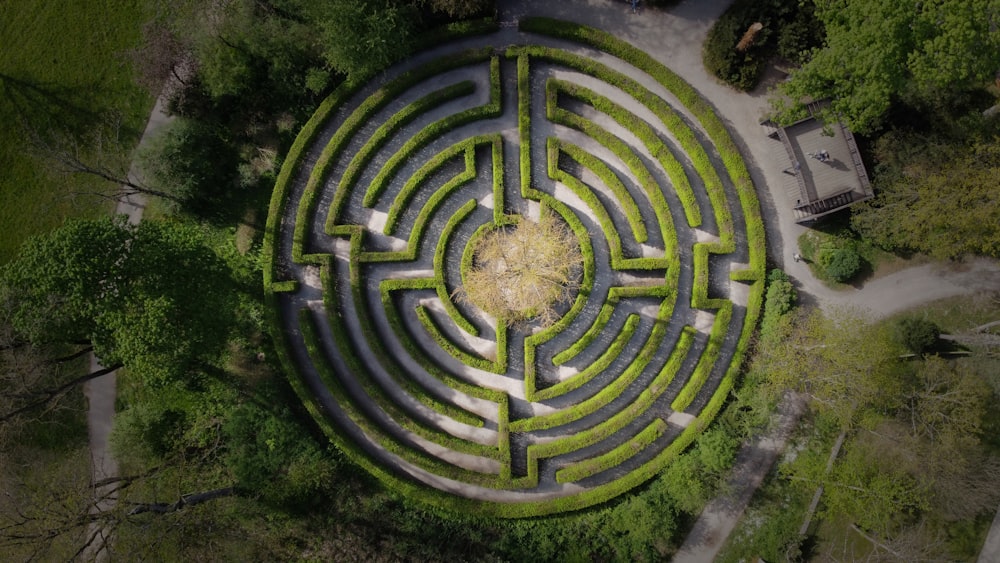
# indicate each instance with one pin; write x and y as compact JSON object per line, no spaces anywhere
{"x":524,"y":271}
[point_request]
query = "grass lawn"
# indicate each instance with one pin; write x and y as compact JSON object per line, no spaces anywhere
{"x":61,"y":66}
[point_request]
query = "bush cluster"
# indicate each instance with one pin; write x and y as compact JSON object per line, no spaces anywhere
{"x":840,"y":261}
{"x":789,"y":30}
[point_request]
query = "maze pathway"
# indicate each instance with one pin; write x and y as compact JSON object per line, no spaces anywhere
{"x":370,"y":235}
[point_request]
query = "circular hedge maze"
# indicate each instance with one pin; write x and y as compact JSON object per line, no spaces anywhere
{"x":372,"y":234}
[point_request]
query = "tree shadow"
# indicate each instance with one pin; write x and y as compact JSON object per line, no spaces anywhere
{"x":42,"y":107}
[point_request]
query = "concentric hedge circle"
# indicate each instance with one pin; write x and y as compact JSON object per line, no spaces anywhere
{"x":368,"y":240}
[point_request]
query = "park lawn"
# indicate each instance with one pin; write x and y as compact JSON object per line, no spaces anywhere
{"x":62,"y":66}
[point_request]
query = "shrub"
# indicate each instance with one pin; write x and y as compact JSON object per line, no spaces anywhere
{"x":790,"y":29}
{"x":840,"y":262}
{"x":915,"y":334}
{"x":196,"y":167}
{"x":781,"y":295}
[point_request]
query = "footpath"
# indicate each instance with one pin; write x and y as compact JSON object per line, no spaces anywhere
{"x":101,"y":392}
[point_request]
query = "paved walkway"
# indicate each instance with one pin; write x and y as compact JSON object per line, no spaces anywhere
{"x":991,"y":549}
{"x":753,"y":462}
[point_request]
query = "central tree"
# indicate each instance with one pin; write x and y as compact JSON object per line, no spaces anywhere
{"x":524,"y":270}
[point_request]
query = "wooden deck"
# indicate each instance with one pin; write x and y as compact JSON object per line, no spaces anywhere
{"x":821,"y":186}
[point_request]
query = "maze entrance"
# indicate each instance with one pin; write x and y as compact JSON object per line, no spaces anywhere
{"x":370,"y":241}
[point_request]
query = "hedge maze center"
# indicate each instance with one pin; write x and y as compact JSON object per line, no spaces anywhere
{"x":373,"y":233}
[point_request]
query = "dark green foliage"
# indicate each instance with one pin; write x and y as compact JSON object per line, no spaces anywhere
{"x":147,"y":432}
{"x":271,"y":455}
{"x":916,"y":334}
{"x":192,"y":161}
{"x":841,"y":262}
{"x":790,"y":30}
{"x":362,"y":36}
{"x":459,"y":8}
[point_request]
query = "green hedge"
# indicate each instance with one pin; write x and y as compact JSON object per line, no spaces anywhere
{"x":396,"y":323}
{"x":344,"y":338}
{"x":415,"y":182}
{"x":433,"y":204}
{"x":594,"y":369}
{"x":625,"y":200}
{"x":690,"y":99}
{"x":412,"y":454}
{"x":588,"y":337}
{"x":400,"y":119}
{"x":351,"y":125}
{"x":614,"y":458}
{"x":611,"y":391}
{"x":736,"y":169}
{"x":428,"y":134}
{"x":585,"y":193}
{"x":439,"y":266}
{"x":706,"y":362}
{"x":635,"y":125}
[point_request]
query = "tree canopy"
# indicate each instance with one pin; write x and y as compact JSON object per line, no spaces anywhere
{"x":882,"y":50}
{"x":147,"y":296}
{"x":934,"y":196}
{"x":844,"y":363}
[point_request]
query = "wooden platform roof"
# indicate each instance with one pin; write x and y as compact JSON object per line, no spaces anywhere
{"x":819,"y":185}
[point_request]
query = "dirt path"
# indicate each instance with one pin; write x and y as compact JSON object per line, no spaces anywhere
{"x":102,"y":391}
{"x":753,"y":462}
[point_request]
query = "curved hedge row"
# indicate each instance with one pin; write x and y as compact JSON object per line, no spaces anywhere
{"x":396,"y":416}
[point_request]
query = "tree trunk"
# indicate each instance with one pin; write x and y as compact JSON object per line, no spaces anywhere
{"x":72,"y":356}
{"x":50,"y":395}
{"x":190,"y":499}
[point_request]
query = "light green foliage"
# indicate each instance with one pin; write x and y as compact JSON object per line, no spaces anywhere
{"x":946,"y":405}
{"x":879,"y":50}
{"x":781,"y":299}
{"x":844,"y":363}
{"x":147,"y":296}
{"x":934,"y":196}
{"x":871,"y":490}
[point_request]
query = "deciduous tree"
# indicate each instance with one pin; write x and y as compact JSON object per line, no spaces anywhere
{"x":880,"y":50}
{"x":843,"y":362}
{"x":153,"y":297}
{"x":934,"y":197}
